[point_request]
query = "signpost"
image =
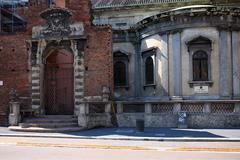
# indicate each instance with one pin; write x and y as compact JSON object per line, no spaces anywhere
{"x":182,"y":120}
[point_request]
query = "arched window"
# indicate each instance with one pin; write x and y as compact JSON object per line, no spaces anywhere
{"x":200,"y":66}
{"x":149,"y":71}
{"x":120,"y":71}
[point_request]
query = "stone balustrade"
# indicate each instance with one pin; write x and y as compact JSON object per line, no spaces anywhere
{"x":95,"y":114}
{"x":200,"y":114}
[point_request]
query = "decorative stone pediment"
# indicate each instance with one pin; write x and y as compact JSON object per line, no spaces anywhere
{"x":58,"y":25}
{"x":58,"y":21}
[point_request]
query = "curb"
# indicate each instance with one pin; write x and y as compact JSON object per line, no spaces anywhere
{"x":128,"y":138}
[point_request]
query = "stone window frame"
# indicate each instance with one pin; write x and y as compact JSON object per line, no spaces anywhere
{"x":195,"y":45}
{"x":120,"y":56}
{"x":150,"y":52}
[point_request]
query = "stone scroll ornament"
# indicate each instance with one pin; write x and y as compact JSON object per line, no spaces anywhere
{"x":58,"y":22}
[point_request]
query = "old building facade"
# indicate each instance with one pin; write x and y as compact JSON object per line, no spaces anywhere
{"x":177,"y":58}
{"x":58,"y":61}
{"x":160,"y":61}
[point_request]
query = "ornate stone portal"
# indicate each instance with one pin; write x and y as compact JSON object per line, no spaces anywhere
{"x":57,"y":34}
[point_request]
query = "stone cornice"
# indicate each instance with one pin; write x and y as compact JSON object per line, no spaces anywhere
{"x":191,"y":16}
{"x":190,"y":11}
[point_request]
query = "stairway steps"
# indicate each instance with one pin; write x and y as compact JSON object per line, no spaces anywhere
{"x":45,"y":130}
{"x":49,"y":120}
{"x":57,"y":116}
{"x":49,"y":125}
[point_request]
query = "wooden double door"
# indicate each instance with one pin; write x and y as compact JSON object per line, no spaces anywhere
{"x":59,"y":83}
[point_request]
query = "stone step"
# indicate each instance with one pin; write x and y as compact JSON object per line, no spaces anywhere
{"x":49,"y":125}
{"x":49,"y":120}
{"x":45,"y":130}
{"x":57,"y":116}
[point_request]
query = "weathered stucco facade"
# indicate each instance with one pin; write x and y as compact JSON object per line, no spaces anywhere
{"x":171,"y":36}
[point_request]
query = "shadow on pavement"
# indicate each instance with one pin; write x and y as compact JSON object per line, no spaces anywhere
{"x":149,"y":132}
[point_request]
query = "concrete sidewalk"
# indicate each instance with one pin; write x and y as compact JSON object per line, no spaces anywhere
{"x":150,"y":134}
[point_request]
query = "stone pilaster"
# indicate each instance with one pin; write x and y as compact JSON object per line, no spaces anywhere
{"x":225,"y":85}
{"x":207,"y":108}
{"x":164,"y":60}
{"x":83,"y":118}
{"x":35,"y":87}
{"x":119,"y":108}
{"x":79,"y":80}
{"x":176,"y":108}
{"x":236,"y":64}
{"x":148,"y":108}
{"x":108,"y":108}
{"x":237,"y":108}
{"x":176,"y":65}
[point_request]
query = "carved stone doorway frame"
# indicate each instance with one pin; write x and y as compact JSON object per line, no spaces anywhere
{"x":57,"y":33}
{"x":39,"y":50}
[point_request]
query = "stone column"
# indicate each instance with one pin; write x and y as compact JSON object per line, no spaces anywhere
{"x":164,"y":59}
{"x":225,"y":85}
{"x":236,"y":64}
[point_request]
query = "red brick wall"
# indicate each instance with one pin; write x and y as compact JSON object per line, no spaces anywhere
{"x":14,"y":71}
{"x":14,"y":60}
{"x":98,"y":60}
{"x":81,"y":10}
{"x":60,"y":3}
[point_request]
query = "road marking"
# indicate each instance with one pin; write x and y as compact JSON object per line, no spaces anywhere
{"x":84,"y":146}
{"x":205,"y":149}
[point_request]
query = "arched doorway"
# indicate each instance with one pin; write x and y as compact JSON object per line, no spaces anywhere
{"x":58,"y":83}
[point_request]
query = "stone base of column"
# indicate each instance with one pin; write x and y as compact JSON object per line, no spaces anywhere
{"x":176,"y":98}
{"x":236,"y":97}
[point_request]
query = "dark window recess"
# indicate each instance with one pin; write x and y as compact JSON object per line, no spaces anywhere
{"x":120,"y":78}
{"x":121,"y":24}
{"x":149,"y":71}
{"x":200,"y":66}
{"x":133,"y":108}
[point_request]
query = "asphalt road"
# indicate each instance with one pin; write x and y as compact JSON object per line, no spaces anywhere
{"x":80,"y":149}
